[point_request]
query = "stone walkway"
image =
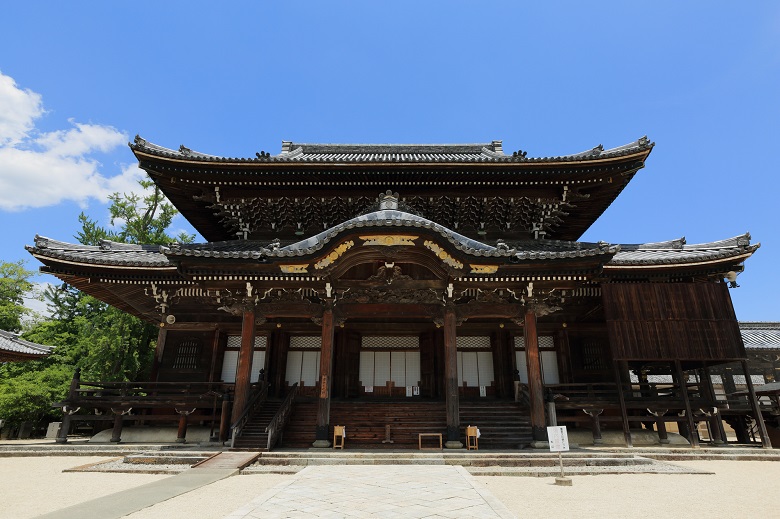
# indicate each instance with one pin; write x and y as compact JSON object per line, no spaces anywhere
{"x":385,"y":491}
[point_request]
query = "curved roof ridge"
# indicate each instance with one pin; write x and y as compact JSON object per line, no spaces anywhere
{"x":742,"y":240}
{"x":677,"y":243}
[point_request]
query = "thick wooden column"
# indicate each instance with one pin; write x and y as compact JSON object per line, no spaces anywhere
{"x":683,"y":381}
{"x":326,"y":368}
{"x":765,"y":442}
{"x":158,"y":353}
{"x":622,"y":399}
{"x":244,"y":372}
{"x":451,"y":380}
{"x":535,"y":386}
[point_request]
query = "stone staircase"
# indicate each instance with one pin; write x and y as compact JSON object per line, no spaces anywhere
{"x":502,"y":425}
{"x":253,"y":436}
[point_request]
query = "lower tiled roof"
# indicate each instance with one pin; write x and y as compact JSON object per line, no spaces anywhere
{"x":760,"y":336}
{"x":10,"y":342}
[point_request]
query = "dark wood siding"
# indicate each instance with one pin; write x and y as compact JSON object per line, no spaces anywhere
{"x":671,"y":321}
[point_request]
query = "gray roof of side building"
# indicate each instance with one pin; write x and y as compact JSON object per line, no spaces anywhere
{"x":760,"y":335}
{"x":11,"y":342}
{"x":491,"y":152}
{"x":108,"y":253}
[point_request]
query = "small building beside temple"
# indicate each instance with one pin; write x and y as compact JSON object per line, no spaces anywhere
{"x":14,"y":349}
{"x":407,"y":289}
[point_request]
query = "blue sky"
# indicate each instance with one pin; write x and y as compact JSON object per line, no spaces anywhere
{"x":701,"y":79}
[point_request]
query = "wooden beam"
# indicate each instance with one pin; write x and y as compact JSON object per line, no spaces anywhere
{"x":765,"y":441}
{"x":683,"y":381}
{"x":622,"y":399}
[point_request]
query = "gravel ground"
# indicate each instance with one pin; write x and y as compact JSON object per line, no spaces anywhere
{"x":36,"y":485}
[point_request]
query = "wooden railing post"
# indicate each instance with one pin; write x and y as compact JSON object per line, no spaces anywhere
{"x":68,"y":410}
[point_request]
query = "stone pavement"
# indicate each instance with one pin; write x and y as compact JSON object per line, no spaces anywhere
{"x":381,"y":491}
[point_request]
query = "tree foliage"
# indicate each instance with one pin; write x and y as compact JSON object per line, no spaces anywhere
{"x":106,"y":343}
{"x":14,"y":284}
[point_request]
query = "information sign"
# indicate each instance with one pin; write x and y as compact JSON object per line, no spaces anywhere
{"x":558,"y":438}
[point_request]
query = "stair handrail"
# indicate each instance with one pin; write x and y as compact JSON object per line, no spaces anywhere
{"x":276,"y":426}
{"x":257,"y":399}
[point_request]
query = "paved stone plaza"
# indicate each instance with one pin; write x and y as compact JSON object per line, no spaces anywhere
{"x":387,"y":491}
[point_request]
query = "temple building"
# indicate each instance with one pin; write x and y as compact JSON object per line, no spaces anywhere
{"x":14,"y":349}
{"x":410,"y":290}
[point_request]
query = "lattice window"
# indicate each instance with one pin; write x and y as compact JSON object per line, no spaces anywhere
{"x":473,"y":343}
{"x":234,"y":341}
{"x":546,"y":342}
{"x":188,"y":353}
{"x":594,"y":356}
{"x":305,"y":342}
{"x":395,"y":343}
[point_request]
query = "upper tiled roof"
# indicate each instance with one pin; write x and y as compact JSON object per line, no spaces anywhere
{"x":10,"y":342}
{"x":760,"y":336}
{"x":676,"y":252}
{"x":107,"y":253}
{"x":393,"y":153}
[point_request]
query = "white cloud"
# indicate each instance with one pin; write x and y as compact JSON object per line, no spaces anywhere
{"x":43,"y":169}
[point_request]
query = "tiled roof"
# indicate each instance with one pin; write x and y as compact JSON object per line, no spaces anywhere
{"x":10,"y":342}
{"x":760,"y":336}
{"x":677,"y":252}
{"x":107,"y":253}
{"x":532,"y":250}
{"x":393,"y":153}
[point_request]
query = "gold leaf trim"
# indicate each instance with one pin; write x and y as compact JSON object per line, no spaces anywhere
{"x":484,"y":269}
{"x":335,"y":254}
{"x":443,"y":255}
{"x":295,"y":269}
{"x":388,"y":240}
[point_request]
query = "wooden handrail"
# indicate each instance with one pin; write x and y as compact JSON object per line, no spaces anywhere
{"x":276,"y":426}
{"x":258,"y":397}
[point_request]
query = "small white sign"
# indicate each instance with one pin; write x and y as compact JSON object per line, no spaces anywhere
{"x":482,"y":391}
{"x":408,"y":390}
{"x":369,"y":389}
{"x":416,"y":390}
{"x":558,"y":438}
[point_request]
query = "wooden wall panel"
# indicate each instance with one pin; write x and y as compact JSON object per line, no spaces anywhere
{"x":671,"y":321}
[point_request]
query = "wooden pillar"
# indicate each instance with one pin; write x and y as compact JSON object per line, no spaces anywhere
{"x":68,"y":410}
{"x":181,"y":434}
{"x":765,"y":442}
{"x":214,"y":355}
{"x":535,"y":386}
{"x":116,"y":432}
{"x":158,"y":353}
{"x":683,"y":381}
{"x":224,"y":424}
{"x":244,"y":372}
{"x":326,"y":368}
{"x":622,"y":400}
{"x":716,"y":421}
{"x":451,"y":379}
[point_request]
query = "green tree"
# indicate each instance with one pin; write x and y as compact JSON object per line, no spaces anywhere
{"x":14,"y":284}
{"x":104,"y":342}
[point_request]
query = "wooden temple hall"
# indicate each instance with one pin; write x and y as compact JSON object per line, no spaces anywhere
{"x":405,"y":292}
